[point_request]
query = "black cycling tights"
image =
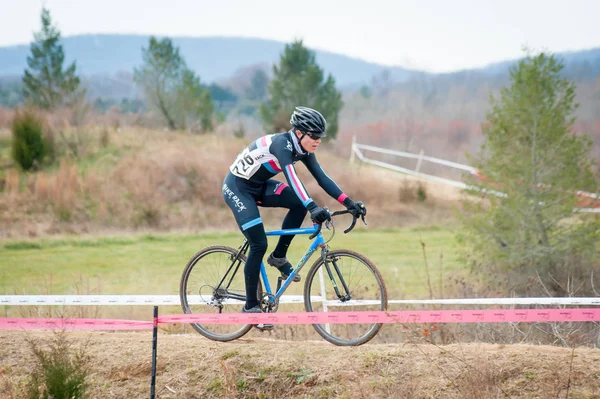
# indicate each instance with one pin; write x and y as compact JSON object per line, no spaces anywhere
{"x":258,"y":248}
{"x":292,"y":220}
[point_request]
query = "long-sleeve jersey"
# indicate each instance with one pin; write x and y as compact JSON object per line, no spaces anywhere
{"x":277,"y":153}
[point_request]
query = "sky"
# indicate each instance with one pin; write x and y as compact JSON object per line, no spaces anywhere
{"x":432,"y":35}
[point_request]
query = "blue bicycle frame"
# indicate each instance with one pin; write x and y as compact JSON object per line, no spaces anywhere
{"x":318,"y":242}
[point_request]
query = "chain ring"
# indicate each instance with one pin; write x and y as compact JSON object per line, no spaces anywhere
{"x":269,"y":303}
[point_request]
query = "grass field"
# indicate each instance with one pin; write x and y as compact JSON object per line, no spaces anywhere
{"x":152,"y":264}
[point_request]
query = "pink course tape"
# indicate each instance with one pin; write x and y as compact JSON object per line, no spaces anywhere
{"x":423,"y":316}
{"x":73,"y":324}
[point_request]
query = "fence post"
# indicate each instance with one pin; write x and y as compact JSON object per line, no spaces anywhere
{"x":419,"y":161}
{"x":352,"y":149}
{"x":154,"y":343}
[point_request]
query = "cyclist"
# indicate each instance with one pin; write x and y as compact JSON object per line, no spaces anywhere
{"x":250,"y":184}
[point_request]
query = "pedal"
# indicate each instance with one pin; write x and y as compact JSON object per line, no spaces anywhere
{"x":265,"y":327}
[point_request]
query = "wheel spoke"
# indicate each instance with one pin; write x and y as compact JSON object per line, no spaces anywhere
{"x":366,"y":288}
{"x":199,"y":294}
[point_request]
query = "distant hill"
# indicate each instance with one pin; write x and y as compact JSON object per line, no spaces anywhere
{"x":106,"y":63}
{"x":579,"y":65}
{"x":213,"y":58}
{"x":218,"y":58}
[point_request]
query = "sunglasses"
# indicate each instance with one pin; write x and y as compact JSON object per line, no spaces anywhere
{"x":314,"y":136}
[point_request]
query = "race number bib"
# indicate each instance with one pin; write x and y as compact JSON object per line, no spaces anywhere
{"x":244,"y":165}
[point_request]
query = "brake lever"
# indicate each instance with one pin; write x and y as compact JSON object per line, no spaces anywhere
{"x":354,"y":219}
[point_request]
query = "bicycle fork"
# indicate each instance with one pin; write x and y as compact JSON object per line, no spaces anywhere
{"x":341,"y":297}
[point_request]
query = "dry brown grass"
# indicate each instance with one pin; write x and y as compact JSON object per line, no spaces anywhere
{"x":78,"y":115}
{"x":6,"y":117}
{"x":164,"y":181}
{"x":60,"y":188}
{"x":190,"y":366}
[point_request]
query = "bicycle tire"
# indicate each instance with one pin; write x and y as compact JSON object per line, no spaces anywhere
{"x":364,"y":282}
{"x":202,"y":291}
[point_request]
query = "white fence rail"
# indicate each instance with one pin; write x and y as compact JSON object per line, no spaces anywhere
{"x":357,"y":151}
{"x":155,"y":300}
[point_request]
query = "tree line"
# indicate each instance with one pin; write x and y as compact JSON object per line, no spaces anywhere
{"x":175,"y":92}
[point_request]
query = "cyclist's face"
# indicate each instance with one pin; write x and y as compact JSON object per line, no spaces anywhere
{"x":308,"y":143}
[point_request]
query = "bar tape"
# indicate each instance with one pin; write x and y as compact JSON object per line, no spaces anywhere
{"x":404,"y":316}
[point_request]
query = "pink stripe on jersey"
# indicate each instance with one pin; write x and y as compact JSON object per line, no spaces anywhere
{"x":281,"y":187}
{"x":296,"y":182}
{"x":274,"y":166}
{"x":263,"y":141}
{"x":341,"y":198}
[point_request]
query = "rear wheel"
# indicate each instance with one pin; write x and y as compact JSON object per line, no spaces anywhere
{"x":360,"y":287}
{"x":199,"y":294}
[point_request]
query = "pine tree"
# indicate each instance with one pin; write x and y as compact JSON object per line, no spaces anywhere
{"x":46,"y":84}
{"x":258,"y":86}
{"x":533,"y":165}
{"x":172,"y":89}
{"x":298,"y":80}
{"x":195,"y":105}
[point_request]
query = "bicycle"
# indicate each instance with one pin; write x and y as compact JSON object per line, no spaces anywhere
{"x":214,"y":279}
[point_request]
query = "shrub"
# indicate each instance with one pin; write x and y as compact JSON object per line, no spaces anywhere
{"x":421,"y":193}
{"x":28,"y":146}
{"x":411,"y":191}
{"x":240,"y":132}
{"x":60,"y":371}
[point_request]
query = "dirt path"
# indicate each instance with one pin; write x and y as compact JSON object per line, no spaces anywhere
{"x":190,"y":366}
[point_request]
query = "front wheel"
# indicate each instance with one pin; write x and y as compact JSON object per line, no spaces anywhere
{"x":346,"y":282}
{"x":213,"y":282}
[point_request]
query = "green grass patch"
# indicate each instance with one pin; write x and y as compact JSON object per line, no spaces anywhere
{"x":152,"y":263}
{"x":5,"y":144}
{"x":22,"y":245}
{"x":101,"y":160}
{"x":5,"y":151}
